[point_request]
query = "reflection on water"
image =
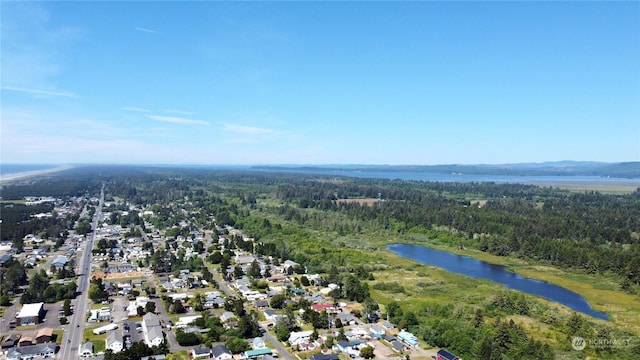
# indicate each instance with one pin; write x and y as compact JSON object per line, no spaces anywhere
{"x":479,"y":269}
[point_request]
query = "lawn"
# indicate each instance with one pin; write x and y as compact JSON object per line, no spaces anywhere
{"x":98,"y":340}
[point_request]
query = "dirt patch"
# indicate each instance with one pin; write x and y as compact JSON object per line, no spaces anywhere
{"x":365,"y":201}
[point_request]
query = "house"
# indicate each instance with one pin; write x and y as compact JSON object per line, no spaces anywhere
{"x":298,"y":337}
{"x":397,"y":346}
{"x":154,"y":336}
{"x":30,"y":314}
{"x":388,"y":325}
{"x":152,"y":330}
{"x":220,"y":352}
{"x":324,"y":357}
{"x":408,"y":338}
{"x":30,"y":352}
{"x":25,"y":341}
{"x":320,"y":307}
{"x":10,"y":341}
{"x":44,"y":335}
{"x":258,"y":343}
{"x":60,"y":261}
{"x":257,"y":353}
{"x":262,"y":304}
{"x":377,"y":330}
{"x":226,"y":316}
{"x":200,"y":353}
{"x":445,"y":355}
{"x":270,"y":315}
{"x":347,"y":319}
{"x":114,"y":340}
{"x":86,"y":349}
{"x":348,"y":346}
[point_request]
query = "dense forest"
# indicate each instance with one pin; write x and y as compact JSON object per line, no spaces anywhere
{"x":340,"y":226}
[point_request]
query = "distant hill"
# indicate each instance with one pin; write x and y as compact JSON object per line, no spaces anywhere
{"x":559,"y":168}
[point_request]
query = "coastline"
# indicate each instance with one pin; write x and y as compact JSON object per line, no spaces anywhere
{"x":27,"y":174}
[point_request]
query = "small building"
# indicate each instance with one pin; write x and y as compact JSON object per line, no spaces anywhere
{"x":324,"y":357}
{"x":29,"y":352}
{"x":256,"y":353}
{"x":445,"y":355}
{"x":30,"y":314}
{"x":408,"y":338}
{"x":226,"y":316}
{"x":200,"y":353}
{"x":25,"y":341}
{"x":114,"y":341}
{"x":258,"y":343}
{"x":44,"y":335}
{"x":60,"y":261}
{"x":10,"y":341}
{"x":220,"y":352}
{"x":299,"y":337}
{"x":86,"y":349}
{"x":347,"y":346}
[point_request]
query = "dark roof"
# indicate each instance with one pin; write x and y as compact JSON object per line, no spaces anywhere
{"x":446,"y":355}
{"x":397,"y":345}
{"x":324,"y":357}
{"x":39,"y":349}
{"x":200,"y":350}
{"x":4,"y":258}
{"x":219,"y":350}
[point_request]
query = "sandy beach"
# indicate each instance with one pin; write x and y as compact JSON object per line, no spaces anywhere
{"x":27,"y":174}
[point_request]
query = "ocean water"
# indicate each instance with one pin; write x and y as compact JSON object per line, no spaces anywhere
{"x":9,"y":169}
{"x":447,"y":177}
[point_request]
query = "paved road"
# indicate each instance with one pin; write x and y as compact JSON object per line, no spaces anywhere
{"x":72,"y":337}
{"x":283,"y":353}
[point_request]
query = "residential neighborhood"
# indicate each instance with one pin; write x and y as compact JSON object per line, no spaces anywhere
{"x":267,"y":307}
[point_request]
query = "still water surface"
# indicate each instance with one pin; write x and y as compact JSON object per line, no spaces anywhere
{"x":479,"y":269}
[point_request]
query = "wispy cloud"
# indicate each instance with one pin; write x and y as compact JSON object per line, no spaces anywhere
{"x":146,"y":30}
{"x":136,"y":109}
{"x":182,"y":112}
{"x":34,"y":50}
{"x":39,"y":91}
{"x":248,"y":130}
{"x":177,"y":120}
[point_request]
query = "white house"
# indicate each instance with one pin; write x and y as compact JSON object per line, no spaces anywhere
{"x":220,"y":352}
{"x":114,"y":341}
{"x":86,"y":349}
{"x":298,"y":337}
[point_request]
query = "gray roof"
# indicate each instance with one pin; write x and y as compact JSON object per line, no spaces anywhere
{"x":219,"y":350}
{"x":88,"y":346}
{"x":200,"y":350}
{"x":155,"y":332}
{"x":113,"y":336}
{"x":39,"y":349}
{"x":150,"y":319}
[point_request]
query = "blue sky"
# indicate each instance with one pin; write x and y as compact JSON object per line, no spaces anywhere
{"x":319,"y":82}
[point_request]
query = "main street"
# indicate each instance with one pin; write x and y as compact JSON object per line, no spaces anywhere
{"x":73,"y":334}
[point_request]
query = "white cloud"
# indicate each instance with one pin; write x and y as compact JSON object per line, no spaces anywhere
{"x":177,"y":120}
{"x":38,"y":91}
{"x":248,"y":130}
{"x":146,"y":30}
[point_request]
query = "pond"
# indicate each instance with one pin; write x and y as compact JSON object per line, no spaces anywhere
{"x":479,"y":269}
